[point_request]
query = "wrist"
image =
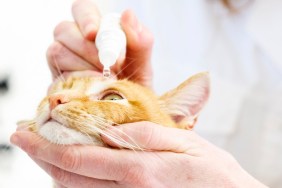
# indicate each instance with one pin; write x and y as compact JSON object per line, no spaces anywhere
{"x":249,"y":181}
{"x":241,"y":178}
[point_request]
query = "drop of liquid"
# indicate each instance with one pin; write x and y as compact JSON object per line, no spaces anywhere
{"x":106,"y":73}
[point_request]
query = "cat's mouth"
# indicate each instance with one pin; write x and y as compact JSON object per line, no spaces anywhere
{"x":52,"y":120}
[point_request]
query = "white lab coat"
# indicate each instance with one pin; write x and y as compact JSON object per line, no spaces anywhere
{"x":243,"y":53}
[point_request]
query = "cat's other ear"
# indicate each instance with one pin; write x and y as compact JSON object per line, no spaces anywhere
{"x":186,"y":101}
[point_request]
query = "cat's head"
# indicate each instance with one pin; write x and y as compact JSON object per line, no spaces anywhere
{"x":77,"y":110}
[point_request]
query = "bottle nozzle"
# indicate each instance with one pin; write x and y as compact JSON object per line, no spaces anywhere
{"x":106,"y":72}
{"x":107,"y":59}
{"x":110,"y":41}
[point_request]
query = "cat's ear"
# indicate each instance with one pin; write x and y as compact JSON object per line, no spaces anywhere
{"x":186,"y":101}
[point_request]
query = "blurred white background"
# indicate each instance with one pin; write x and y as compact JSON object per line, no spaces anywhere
{"x":25,"y":32}
{"x":242,"y":53}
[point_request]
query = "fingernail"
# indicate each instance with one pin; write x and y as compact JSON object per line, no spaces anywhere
{"x":90,"y":31}
{"x":14,"y":139}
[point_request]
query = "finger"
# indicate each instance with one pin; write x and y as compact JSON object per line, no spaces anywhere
{"x":71,"y":180}
{"x":68,"y":34}
{"x":87,"y":16}
{"x":137,"y":66}
{"x":91,"y":161}
{"x":152,"y":136}
{"x":61,"y":59}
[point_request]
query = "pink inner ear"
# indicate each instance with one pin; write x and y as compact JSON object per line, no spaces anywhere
{"x":185,"y":102}
{"x":177,"y":118}
{"x":196,"y":108}
{"x":180,"y":120}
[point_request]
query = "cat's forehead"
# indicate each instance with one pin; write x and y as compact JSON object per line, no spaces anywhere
{"x":86,"y":85}
{"x":98,"y":85}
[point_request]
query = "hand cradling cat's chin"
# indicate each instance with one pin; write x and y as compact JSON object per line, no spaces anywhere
{"x":57,"y":133}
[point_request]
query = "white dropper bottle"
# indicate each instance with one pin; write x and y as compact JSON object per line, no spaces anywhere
{"x":110,"y":41}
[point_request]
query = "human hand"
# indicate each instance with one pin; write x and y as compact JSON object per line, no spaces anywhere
{"x":172,"y":158}
{"x":73,"y":48}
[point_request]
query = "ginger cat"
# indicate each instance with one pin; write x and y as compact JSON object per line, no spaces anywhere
{"x":77,"y":110}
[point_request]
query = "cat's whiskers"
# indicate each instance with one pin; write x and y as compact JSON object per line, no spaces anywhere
{"x":144,"y":80}
{"x":87,"y":135}
{"x":133,"y":74}
{"x":121,"y":142}
{"x":117,"y":139}
{"x":82,"y":121}
{"x":86,"y":122}
{"x":60,"y":76}
{"x":88,"y":127}
{"x":110,"y":134}
{"x":40,"y":140}
{"x":114,"y":135}
{"x":128,"y":64}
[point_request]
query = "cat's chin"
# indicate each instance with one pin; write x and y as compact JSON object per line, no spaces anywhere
{"x":57,"y":133}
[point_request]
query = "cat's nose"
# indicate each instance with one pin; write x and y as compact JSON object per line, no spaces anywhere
{"x":56,"y":99}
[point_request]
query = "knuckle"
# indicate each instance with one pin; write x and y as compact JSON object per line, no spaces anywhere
{"x":70,"y":159}
{"x":54,"y":52}
{"x":61,"y":28}
{"x":144,"y":41}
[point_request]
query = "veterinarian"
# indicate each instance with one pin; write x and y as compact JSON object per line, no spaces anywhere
{"x":189,"y":159}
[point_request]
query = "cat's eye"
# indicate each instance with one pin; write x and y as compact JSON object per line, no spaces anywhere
{"x":112,"y":97}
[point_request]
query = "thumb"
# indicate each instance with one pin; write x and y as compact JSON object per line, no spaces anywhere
{"x":151,"y":136}
{"x":137,"y":65}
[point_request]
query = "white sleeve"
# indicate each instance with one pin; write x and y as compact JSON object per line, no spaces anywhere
{"x":265,"y":27}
